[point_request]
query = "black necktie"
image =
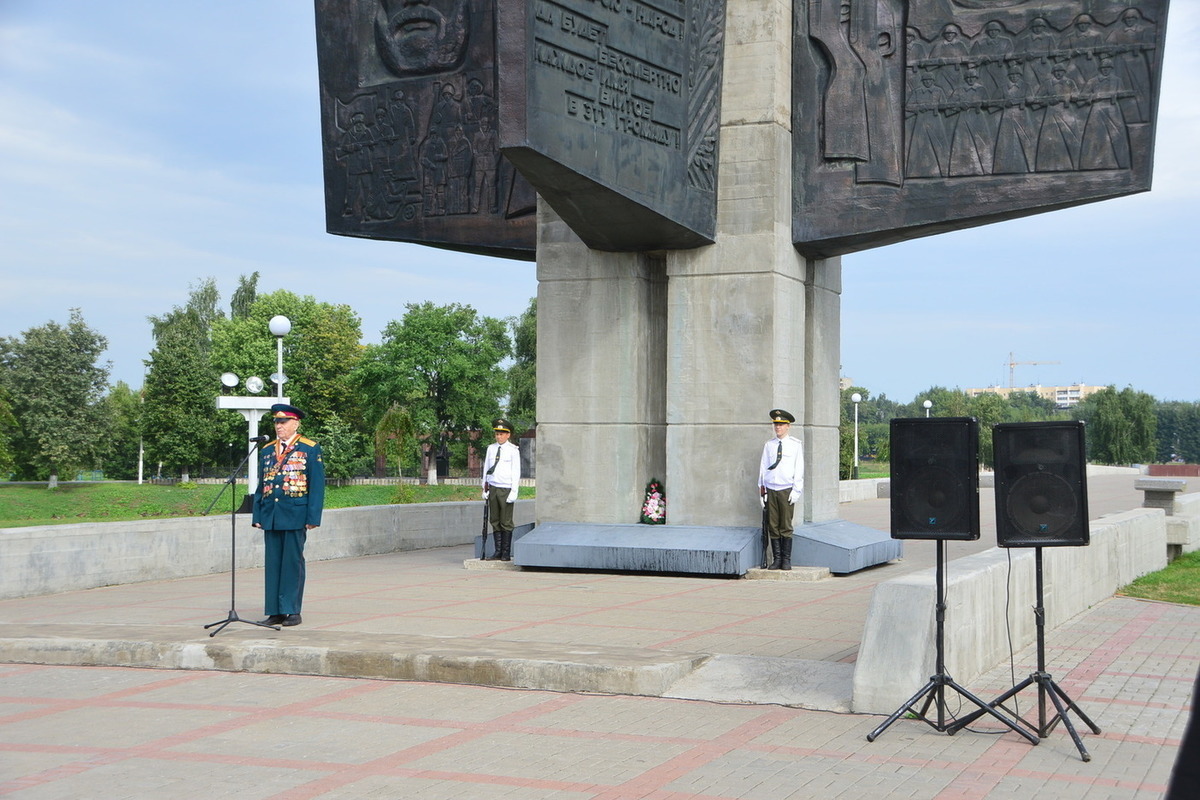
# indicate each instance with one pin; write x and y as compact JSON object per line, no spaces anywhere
{"x":778,"y":455}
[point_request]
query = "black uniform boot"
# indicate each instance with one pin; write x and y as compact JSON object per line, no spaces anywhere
{"x":506,"y":544}
{"x":776,"y":554}
{"x":786,"y":561}
{"x":495,"y":556}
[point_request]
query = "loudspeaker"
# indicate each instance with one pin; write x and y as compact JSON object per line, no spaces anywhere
{"x":935,"y":478}
{"x":1041,"y":484}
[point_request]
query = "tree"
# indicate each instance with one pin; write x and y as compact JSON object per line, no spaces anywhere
{"x":319,"y":353}
{"x":244,"y":296}
{"x":341,"y":448}
{"x":946,"y":403}
{"x":989,"y":409}
{"x":1032,"y":407}
{"x":442,"y":364}
{"x":846,"y":438}
{"x":8,"y":429}
{"x":55,"y":383}
{"x":121,"y":410}
{"x":1121,"y":426}
{"x":181,"y":426}
{"x":1178,"y":432}
{"x":522,"y":375}
{"x":395,"y":440}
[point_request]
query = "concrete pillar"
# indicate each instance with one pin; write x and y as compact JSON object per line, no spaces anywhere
{"x":666,"y":366}
{"x":601,"y":377}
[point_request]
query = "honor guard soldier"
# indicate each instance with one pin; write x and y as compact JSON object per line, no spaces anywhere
{"x":780,"y":484}
{"x":501,"y":478}
{"x":287,"y":504}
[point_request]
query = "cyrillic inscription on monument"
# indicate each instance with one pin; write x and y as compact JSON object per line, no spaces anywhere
{"x":620,"y":116}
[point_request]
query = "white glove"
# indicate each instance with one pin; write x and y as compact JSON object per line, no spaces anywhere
{"x":512,"y":495}
{"x":793,"y":497}
{"x":762,"y":499}
{"x":485,"y":495}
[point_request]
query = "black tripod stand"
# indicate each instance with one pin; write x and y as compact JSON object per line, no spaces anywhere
{"x":233,"y":512}
{"x":1046,"y":686}
{"x":935,"y":690}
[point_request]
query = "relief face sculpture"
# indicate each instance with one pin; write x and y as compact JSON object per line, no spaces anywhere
{"x":409,"y":118}
{"x":422,"y":37}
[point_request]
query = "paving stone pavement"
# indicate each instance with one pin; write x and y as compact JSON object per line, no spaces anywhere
{"x":121,"y":732}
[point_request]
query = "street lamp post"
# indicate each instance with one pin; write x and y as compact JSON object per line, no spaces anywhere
{"x":279,"y":326}
{"x":856,"y":398}
{"x":928,"y":405}
{"x":252,"y":407}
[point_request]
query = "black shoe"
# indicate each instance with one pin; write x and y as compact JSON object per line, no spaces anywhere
{"x":274,"y":619}
{"x":290,"y":620}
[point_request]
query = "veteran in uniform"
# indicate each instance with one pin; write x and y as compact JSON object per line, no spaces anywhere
{"x":501,"y":479}
{"x":287,"y":504}
{"x":780,"y":484}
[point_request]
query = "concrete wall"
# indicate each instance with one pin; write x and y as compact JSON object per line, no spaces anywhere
{"x":61,"y":558}
{"x":898,"y":651}
{"x":1183,"y":526}
{"x":863,"y":489}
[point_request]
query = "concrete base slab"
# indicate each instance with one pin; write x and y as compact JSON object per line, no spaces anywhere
{"x":293,"y":651}
{"x":518,"y":532}
{"x":798,"y":574}
{"x":645,"y":672}
{"x":815,"y":685}
{"x":480,"y":564}
{"x":843,"y":547}
{"x":690,"y":549}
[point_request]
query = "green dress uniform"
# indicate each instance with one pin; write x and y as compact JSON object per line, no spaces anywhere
{"x":289,"y":499}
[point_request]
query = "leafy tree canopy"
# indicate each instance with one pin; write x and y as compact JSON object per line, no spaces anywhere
{"x":55,"y":382}
{"x":522,"y":375}
{"x":182,"y":427}
{"x":319,"y":353}
{"x":442,"y":363}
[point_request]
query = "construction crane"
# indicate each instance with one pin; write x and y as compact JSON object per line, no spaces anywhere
{"x":1012,"y":366}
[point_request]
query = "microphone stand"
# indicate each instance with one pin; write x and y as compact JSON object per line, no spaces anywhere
{"x":234,"y":511}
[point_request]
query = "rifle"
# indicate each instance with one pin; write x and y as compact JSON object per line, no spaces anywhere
{"x":483,"y":540}
{"x":766,"y":539}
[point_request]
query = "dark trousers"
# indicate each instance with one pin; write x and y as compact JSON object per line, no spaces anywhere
{"x":500,"y":511}
{"x":284,"y":571}
{"x":779,"y":513}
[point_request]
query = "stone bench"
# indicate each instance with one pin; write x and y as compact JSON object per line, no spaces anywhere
{"x":1160,"y":492}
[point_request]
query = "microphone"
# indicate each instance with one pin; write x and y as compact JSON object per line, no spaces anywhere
{"x":261,"y":439}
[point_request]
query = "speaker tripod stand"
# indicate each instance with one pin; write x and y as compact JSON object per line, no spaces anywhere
{"x":934,"y":692}
{"x":1046,"y":687}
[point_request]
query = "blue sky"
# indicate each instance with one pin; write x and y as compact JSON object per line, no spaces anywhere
{"x":148,"y":145}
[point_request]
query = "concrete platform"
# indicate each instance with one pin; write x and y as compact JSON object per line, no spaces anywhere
{"x":843,"y":547}
{"x":685,"y":549}
{"x":836,"y":546}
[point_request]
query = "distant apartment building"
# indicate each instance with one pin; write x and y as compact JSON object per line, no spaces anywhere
{"x":1061,"y":396}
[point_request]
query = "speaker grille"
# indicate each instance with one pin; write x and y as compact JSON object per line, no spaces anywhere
{"x":935,"y":478}
{"x":1041,"y":489}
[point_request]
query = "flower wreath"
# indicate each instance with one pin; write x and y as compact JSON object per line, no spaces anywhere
{"x":654,"y":509}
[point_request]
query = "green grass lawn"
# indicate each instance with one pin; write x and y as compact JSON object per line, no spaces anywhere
{"x":1178,"y":583}
{"x":24,"y":505}
{"x":874,"y":470}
